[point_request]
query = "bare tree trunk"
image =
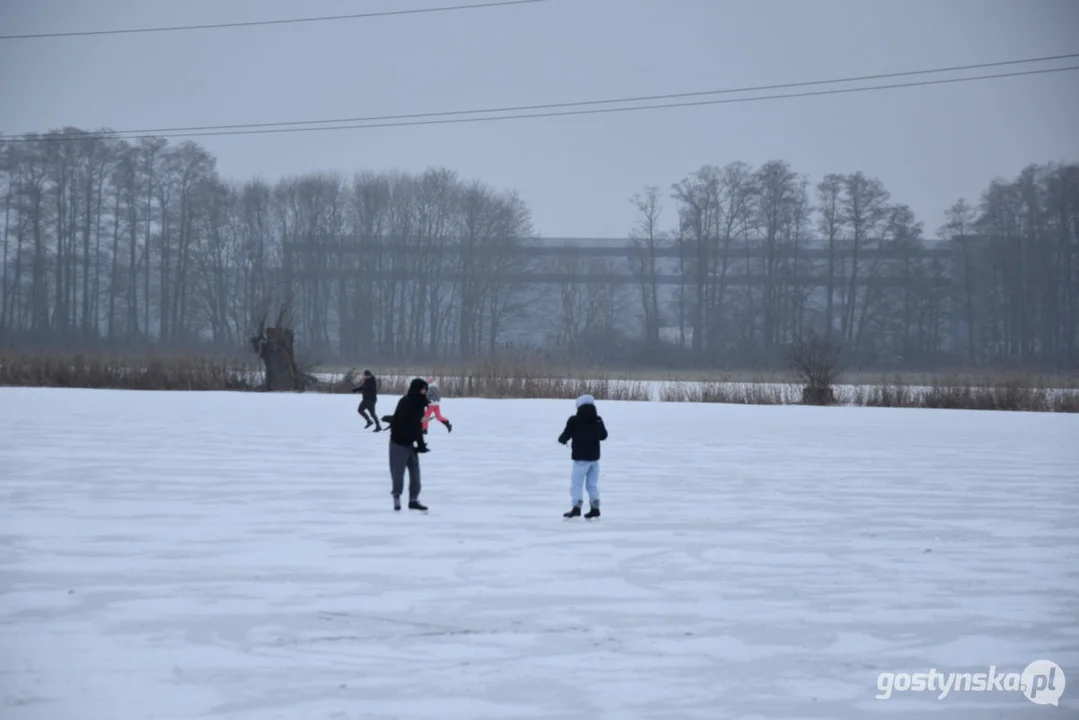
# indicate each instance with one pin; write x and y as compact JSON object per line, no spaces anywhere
{"x":114,"y":275}
{"x":829,"y":192}
{"x":4,"y":301}
{"x":646,"y":240}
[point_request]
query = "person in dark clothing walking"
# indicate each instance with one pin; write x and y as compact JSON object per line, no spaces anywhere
{"x":586,"y":431}
{"x":407,"y":443}
{"x":369,"y":390}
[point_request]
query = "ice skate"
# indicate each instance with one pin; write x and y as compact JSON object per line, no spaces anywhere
{"x":449,"y":425}
{"x":397,"y":503}
{"x":417,"y":505}
{"x":575,"y":512}
{"x":593,"y":512}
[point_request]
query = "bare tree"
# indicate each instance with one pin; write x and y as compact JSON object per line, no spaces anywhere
{"x":957,"y":231}
{"x":699,"y":204}
{"x":831,"y":223}
{"x":865,"y":209}
{"x":779,"y":200}
{"x":646,"y":239}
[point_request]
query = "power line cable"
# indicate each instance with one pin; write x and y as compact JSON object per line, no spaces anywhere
{"x":68,"y":137}
{"x":287,"y":21}
{"x":586,"y":103}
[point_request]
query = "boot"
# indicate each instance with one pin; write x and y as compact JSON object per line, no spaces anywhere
{"x":449,"y":426}
{"x":397,"y":503}
{"x":369,"y":424}
{"x":575,"y":512}
{"x":417,"y":505}
{"x":593,"y":512}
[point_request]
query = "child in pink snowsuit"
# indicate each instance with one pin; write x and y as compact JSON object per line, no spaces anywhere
{"x":433,"y":400}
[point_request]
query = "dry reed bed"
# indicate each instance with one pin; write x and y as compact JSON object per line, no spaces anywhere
{"x":730,"y":392}
{"x":1008,"y":395}
{"x":1016,"y":393}
{"x":152,"y":373}
{"x":499,"y":383}
{"x":1013,"y":395}
{"x":160,"y":373}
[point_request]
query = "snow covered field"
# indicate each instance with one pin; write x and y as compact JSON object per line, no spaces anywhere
{"x":235,"y":556}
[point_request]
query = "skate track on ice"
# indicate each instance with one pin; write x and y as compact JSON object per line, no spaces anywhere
{"x":235,"y":556}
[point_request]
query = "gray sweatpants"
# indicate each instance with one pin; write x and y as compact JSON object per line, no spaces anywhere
{"x":405,"y":458}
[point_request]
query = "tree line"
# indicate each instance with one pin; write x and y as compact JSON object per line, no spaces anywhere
{"x":997,"y":286}
{"x":115,"y":243}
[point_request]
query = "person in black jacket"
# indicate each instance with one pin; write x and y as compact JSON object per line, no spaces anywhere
{"x":369,"y":389}
{"x":406,"y":444}
{"x":586,"y":431}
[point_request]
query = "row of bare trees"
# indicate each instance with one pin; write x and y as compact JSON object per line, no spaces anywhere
{"x":105,"y":239}
{"x":402,"y":266}
{"x":763,"y":257}
{"x":1016,"y":268}
{"x":123,"y":243}
{"x":127,"y":243}
{"x":753,"y":277}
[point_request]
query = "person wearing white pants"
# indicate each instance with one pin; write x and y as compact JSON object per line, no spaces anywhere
{"x":585,"y":474}
{"x":586,"y":431}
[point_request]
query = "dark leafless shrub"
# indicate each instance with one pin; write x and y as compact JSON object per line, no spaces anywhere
{"x":816,"y":362}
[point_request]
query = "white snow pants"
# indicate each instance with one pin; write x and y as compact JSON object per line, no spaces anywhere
{"x":585,"y":474}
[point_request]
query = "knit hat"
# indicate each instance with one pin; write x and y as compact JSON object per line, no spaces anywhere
{"x":586,"y":400}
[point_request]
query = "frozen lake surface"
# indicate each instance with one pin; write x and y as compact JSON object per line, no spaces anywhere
{"x":235,"y":556}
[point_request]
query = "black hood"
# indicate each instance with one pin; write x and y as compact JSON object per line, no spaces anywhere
{"x":587,"y":413}
{"x":416,"y":386}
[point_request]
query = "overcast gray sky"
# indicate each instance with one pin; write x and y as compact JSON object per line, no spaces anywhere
{"x":929,"y":145}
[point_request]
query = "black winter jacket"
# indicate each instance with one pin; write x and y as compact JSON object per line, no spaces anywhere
{"x":586,"y":430}
{"x":406,"y":425}
{"x":369,"y":389}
